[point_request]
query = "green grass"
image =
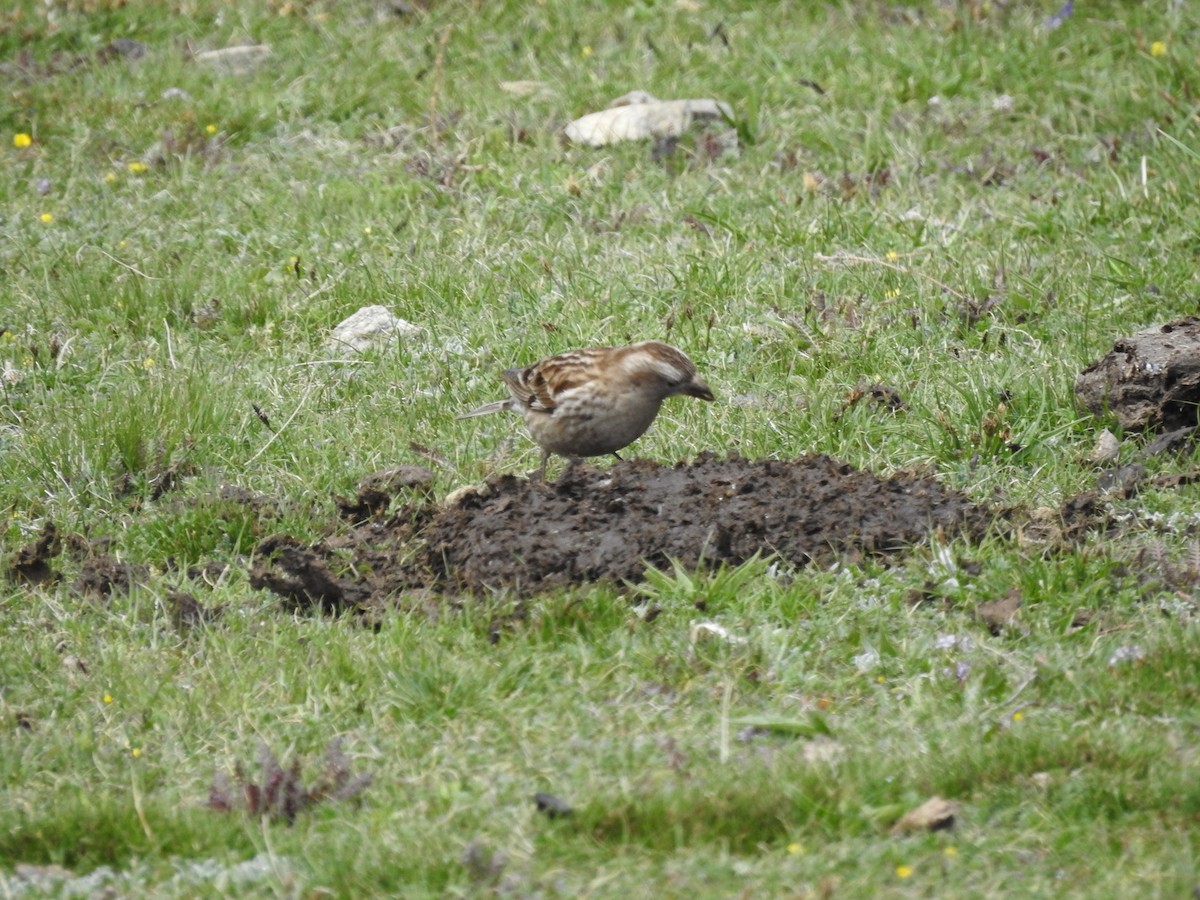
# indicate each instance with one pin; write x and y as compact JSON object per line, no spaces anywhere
{"x":971,"y":211}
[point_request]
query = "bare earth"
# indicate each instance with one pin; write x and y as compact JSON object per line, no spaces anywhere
{"x":608,"y":524}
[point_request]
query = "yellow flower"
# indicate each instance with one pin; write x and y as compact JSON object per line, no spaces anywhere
{"x":892,"y":256}
{"x":879,"y":679}
{"x":1017,"y":717}
{"x":110,"y":177}
{"x":210,"y":128}
{"x":795,"y":848}
{"x":148,"y":362}
{"x":950,"y":852}
{"x":108,"y":698}
{"x":367,"y":230}
{"x":587,"y":51}
{"x":904,"y":871}
{"x":136,"y":751}
{"x":47,"y":217}
{"x":21,"y":140}
{"x":1158,"y":48}
{"x":137,"y":167}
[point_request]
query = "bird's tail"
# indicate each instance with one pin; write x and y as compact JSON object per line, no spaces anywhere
{"x":494,"y":406}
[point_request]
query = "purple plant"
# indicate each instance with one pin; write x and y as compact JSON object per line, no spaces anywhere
{"x":278,"y":792}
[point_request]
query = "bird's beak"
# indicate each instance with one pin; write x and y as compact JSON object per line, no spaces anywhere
{"x":699,"y":390}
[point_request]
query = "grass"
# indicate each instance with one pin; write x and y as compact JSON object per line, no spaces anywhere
{"x":969,"y":210}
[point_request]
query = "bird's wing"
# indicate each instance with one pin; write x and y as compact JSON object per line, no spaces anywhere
{"x":530,"y":389}
{"x":542,"y":386}
{"x":522,"y":393}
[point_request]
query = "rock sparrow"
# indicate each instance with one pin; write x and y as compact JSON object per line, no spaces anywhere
{"x":598,"y":400}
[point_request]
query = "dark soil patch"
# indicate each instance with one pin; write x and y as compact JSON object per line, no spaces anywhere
{"x":1149,"y":380}
{"x":102,"y":575}
{"x":31,"y":564}
{"x":306,"y":576}
{"x":375,"y":491}
{"x":159,"y":479}
{"x":187,"y":612}
{"x":607,"y":525}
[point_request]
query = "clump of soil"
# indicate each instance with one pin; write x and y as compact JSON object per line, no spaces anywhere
{"x":608,"y":524}
{"x":375,"y":491}
{"x":1148,"y":380}
{"x":306,"y":576}
{"x":597,"y":525}
{"x":187,"y":612}
{"x":31,"y":564}
{"x":101,"y":575}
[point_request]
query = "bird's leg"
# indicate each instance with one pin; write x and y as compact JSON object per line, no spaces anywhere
{"x":573,"y":463}
{"x":618,"y":456}
{"x":540,"y":474}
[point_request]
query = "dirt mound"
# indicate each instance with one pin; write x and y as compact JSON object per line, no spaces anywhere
{"x":31,"y":564}
{"x":102,"y":575}
{"x":99,"y":573}
{"x":1148,"y":380}
{"x":608,"y":524}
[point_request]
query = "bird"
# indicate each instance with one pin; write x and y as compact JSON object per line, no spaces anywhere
{"x":596,"y":400}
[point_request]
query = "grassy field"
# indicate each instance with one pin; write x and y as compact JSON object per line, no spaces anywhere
{"x":957,"y":201}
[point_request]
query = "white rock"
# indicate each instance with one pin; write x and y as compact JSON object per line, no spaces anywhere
{"x":638,"y":115}
{"x":524,"y":88}
{"x":234,"y":60}
{"x":460,"y":495}
{"x":711,"y":631}
{"x":371,"y":326}
{"x":1107,"y":449}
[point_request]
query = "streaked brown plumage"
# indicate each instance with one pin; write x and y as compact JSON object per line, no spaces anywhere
{"x":597,"y":400}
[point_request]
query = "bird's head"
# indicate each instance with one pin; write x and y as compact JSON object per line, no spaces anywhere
{"x":665,"y":368}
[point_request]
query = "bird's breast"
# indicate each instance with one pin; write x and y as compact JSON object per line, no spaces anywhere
{"x":590,"y":424}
